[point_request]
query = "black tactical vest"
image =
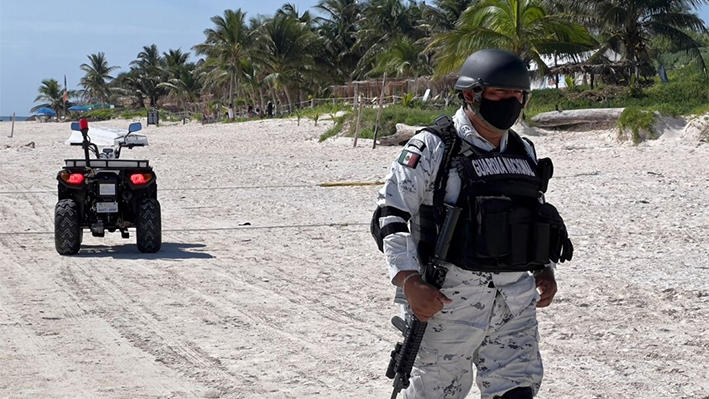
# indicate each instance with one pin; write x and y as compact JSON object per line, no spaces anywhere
{"x":501,"y":228}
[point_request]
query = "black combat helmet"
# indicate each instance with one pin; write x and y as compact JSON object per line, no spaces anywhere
{"x":493,"y":68}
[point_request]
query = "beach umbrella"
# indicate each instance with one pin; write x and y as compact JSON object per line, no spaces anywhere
{"x":44,"y":111}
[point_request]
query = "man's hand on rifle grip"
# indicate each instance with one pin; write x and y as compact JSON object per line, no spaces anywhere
{"x":424,"y":299}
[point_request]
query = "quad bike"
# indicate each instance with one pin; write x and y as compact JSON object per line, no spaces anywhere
{"x":107,"y":193}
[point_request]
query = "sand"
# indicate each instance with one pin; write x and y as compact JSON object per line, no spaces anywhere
{"x":270,"y":286}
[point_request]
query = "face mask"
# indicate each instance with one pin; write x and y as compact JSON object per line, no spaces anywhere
{"x":501,"y":114}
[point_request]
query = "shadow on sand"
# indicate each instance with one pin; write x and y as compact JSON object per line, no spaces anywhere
{"x":169,"y":250}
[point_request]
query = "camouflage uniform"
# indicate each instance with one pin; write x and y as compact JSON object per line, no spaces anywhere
{"x":492,"y":320}
{"x":480,"y":328}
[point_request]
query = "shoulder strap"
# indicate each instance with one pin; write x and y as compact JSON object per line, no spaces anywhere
{"x":515,"y":138}
{"x":444,"y":128}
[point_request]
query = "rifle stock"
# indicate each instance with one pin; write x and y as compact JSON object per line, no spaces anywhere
{"x":404,"y":353}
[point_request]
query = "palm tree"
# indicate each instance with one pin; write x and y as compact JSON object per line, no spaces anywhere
{"x":628,"y":27}
{"x":337,"y":31}
{"x":215,"y":77}
{"x":291,"y":10}
{"x":97,"y":79}
{"x":520,"y":26}
{"x":442,"y":16}
{"x":149,"y":70}
{"x":383,"y":21}
{"x":668,"y":56}
{"x":186,"y":86}
{"x":174,"y":61}
{"x":227,"y":43}
{"x":285,"y":50}
{"x":129,"y":86}
{"x":52,"y":94}
{"x":403,"y":59}
{"x":252,"y":84}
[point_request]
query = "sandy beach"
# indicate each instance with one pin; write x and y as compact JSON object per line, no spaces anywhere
{"x":269,"y":286}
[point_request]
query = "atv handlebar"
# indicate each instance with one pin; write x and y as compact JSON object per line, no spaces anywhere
{"x":83,"y":127}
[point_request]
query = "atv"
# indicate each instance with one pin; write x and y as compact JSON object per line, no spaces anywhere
{"x":106,"y":193}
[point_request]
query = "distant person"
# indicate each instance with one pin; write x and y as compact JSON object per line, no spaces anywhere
{"x":269,"y":109}
{"x":230,"y":112}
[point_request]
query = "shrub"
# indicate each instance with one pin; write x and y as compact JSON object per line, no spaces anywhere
{"x":393,"y":114}
{"x":637,"y":121}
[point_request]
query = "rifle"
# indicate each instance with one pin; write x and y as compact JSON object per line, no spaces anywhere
{"x":404,"y":353}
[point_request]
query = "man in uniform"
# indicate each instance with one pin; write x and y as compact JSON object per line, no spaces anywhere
{"x":500,"y":265}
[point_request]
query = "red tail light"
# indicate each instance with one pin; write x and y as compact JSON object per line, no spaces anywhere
{"x":138,"y":178}
{"x":75,"y":178}
{"x":72,"y":178}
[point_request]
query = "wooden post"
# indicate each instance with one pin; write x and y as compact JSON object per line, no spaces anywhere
{"x":379,"y":112}
{"x":12,"y":128}
{"x":359,"y":119}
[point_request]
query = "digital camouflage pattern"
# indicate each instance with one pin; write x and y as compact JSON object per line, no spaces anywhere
{"x":507,"y":354}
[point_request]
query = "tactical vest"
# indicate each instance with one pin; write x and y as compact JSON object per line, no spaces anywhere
{"x":503,"y":227}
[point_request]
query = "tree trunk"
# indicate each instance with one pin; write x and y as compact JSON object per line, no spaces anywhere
{"x":556,"y":76}
{"x":262,"y":103}
{"x":231,"y":87}
{"x":288,"y":96}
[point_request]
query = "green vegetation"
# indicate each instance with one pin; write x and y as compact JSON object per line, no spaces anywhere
{"x":129,"y":113}
{"x":295,"y":56}
{"x":391,"y":115}
{"x":682,"y":96}
{"x":636,"y":121}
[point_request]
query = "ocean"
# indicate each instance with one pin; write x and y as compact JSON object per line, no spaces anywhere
{"x":8,"y":118}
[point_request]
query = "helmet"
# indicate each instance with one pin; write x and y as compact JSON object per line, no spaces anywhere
{"x":493,"y":68}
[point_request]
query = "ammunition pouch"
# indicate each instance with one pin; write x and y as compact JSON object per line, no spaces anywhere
{"x":560,"y":247}
{"x":510,"y":236}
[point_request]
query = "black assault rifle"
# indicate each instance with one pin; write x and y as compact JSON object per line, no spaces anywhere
{"x":404,"y":354}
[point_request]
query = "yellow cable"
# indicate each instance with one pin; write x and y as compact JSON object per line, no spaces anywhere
{"x":369,"y":183}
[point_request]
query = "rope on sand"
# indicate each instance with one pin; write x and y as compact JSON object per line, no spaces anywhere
{"x":332,"y":184}
{"x":245,"y":226}
{"x":344,"y":184}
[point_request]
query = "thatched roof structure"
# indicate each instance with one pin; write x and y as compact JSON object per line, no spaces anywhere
{"x":372,"y":88}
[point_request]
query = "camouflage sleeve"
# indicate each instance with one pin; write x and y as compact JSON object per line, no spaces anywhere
{"x":408,"y":185}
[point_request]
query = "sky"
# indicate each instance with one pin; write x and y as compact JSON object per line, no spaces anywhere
{"x":47,"y":39}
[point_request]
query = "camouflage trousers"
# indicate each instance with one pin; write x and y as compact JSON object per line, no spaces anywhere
{"x":476,"y":329}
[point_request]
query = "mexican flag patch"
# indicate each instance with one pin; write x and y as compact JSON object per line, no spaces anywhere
{"x":409,"y":159}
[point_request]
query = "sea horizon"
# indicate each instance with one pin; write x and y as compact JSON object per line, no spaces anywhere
{"x":8,"y":118}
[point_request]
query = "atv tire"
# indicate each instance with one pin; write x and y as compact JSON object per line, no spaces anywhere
{"x":67,"y":227}
{"x":148,"y":228}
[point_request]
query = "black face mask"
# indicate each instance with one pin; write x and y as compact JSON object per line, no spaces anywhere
{"x":502,"y":114}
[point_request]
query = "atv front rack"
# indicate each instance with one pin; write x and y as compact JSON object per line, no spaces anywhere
{"x":107,"y":163}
